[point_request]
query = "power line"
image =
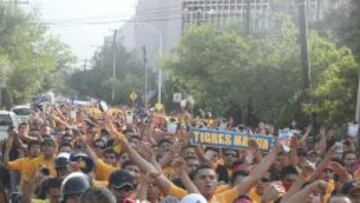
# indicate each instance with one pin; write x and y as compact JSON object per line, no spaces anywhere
{"x":111,"y":21}
{"x":150,"y":12}
{"x":142,"y":15}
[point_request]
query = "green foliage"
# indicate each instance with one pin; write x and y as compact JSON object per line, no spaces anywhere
{"x":336,"y":93}
{"x":98,"y":80}
{"x":33,"y":55}
{"x":261,"y":74}
{"x":343,"y":24}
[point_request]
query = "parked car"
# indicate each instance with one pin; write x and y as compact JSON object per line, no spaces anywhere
{"x":7,"y":118}
{"x":23,"y":112}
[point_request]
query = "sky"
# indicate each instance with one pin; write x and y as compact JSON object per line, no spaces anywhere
{"x":83,"y":24}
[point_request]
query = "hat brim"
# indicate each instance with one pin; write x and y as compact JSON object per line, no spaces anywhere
{"x":122,"y":185}
{"x":89,"y":162}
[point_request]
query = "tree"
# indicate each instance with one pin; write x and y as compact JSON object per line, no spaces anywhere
{"x":343,"y":24}
{"x":259,"y":73}
{"x":98,"y":80}
{"x":33,"y":55}
{"x":65,"y":62}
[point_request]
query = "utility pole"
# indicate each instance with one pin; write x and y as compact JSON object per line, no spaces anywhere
{"x":357,"y":114}
{"x":304,"y":48}
{"x":159,"y":65}
{"x":198,"y":16}
{"x":85,"y":65}
{"x":114,"y":67}
{"x":146,"y":78}
{"x":248,"y":16}
{"x":318,"y":10}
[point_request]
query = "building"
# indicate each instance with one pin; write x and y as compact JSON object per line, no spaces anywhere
{"x":158,"y":24}
{"x":155,"y":27}
{"x":219,"y":12}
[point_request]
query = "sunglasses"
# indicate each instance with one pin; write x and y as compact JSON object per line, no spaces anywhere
{"x":265,"y":180}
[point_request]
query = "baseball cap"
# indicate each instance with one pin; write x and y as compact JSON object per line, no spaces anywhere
{"x":193,"y":198}
{"x":350,"y":187}
{"x":86,"y":163}
{"x":62,"y":160}
{"x":120,"y":179}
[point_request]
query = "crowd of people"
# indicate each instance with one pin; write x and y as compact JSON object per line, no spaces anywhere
{"x":68,"y":153}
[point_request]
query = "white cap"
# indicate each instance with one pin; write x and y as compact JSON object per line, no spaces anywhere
{"x":64,"y":155}
{"x":193,"y":198}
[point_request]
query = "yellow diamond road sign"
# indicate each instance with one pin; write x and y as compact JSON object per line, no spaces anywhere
{"x":133,"y":95}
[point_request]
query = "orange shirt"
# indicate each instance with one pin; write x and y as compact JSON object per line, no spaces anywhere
{"x":103,"y":170}
{"x":23,"y":166}
{"x":219,"y":197}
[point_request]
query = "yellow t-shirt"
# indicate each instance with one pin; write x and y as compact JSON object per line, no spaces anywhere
{"x":40,"y":201}
{"x":357,"y":175}
{"x":254,"y":196}
{"x":223,"y":197}
{"x":169,"y":172}
{"x":103,"y":170}
{"x":222,"y":188}
{"x":28,"y":167}
{"x":330,"y":188}
{"x":101,"y":183}
{"x":23,"y":166}
{"x":41,"y":161}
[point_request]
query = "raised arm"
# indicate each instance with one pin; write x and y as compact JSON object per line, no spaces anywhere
{"x":258,"y":172}
{"x":199,"y":152}
{"x":144,"y":187}
{"x":180,"y":167}
{"x":83,"y":142}
{"x":60,"y":121}
{"x":295,"y":188}
{"x":329,"y":154}
{"x":175,"y":150}
{"x":306,"y":134}
{"x":163,"y":183}
{"x":303,"y":195}
{"x":323,"y":140}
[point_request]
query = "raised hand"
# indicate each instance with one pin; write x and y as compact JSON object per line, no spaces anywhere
{"x":308,"y":128}
{"x":179,"y":165}
{"x":146,"y":151}
{"x":272,"y":192}
{"x":322,"y":130}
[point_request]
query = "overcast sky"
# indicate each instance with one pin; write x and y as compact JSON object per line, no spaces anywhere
{"x":72,"y":20}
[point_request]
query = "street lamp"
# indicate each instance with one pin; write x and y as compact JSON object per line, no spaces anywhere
{"x":114,"y":68}
{"x":161,"y":44}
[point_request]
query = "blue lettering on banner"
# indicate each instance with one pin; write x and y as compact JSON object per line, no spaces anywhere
{"x":230,"y":139}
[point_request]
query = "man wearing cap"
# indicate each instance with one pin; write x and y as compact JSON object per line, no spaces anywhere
{"x":62,"y":165}
{"x":122,"y":185}
{"x":73,"y":186}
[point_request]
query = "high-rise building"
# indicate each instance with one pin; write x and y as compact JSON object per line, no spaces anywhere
{"x":219,"y":12}
{"x":155,"y":26}
{"x":158,"y":24}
